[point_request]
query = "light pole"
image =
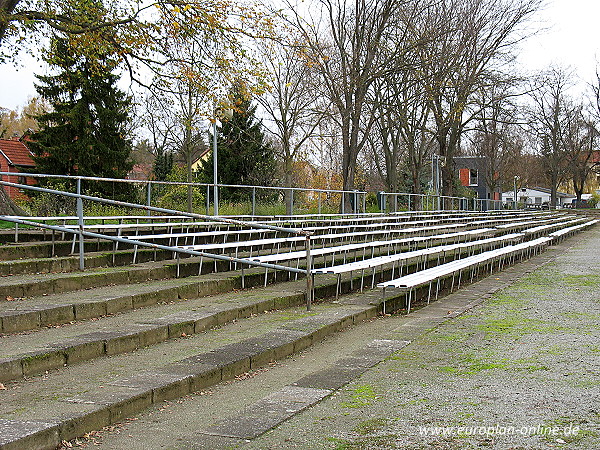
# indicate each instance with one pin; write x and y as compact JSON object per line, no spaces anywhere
{"x":226,"y":113}
{"x":215,"y":187}
{"x":515,"y":191}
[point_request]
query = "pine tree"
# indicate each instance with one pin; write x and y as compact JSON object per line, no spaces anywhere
{"x":244,"y":156}
{"x":163,"y":164}
{"x":85,"y":131}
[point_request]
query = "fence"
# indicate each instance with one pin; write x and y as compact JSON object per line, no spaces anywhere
{"x":356,"y":198}
{"x":80,"y":231}
{"x":399,"y":201}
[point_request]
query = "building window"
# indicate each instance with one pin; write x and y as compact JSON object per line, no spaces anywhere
{"x":22,"y":180}
{"x":538,"y":200}
{"x":473,"y":177}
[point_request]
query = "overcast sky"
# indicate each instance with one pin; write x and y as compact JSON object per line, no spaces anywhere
{"x":572,"y":38}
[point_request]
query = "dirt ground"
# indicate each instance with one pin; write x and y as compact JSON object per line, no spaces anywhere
{"x":520,"y":371}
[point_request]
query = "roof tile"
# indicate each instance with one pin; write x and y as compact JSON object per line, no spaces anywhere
{"x":17,"y":152}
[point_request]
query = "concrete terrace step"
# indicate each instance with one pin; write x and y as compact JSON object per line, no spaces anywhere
{"x":50,"y":309}
{"x":56,"y":347}
{"x":92,"y":260}
{"x":56,"y":309}
{"x":43,"y":411}
{"x":31,"y":285}
{"x":12,"y":251}
{"x":53,"y":348}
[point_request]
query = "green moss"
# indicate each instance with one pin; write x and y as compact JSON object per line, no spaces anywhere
{"x":516,"y":324}
{"x":568,"y":429}
{"x":581,"y":280}
{"x":370,"y":426}
{"x":361,"y":396}
{"x":371,"y":442}
{"x":505,"y":299}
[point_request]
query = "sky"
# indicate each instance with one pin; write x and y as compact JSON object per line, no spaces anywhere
{"x":570,"y":38}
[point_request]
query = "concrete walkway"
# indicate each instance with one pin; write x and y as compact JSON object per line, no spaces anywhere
{"x":512,"y":361}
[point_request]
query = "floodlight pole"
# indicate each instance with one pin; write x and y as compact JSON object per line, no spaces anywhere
{"x":215,"y":187}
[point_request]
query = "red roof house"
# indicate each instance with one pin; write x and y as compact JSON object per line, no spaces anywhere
{"x":16,"y":158}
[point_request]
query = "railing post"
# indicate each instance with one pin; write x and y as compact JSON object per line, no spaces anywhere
{"x":409,"y":197}
{"x":149,"y":196}
{"x":309,"y":275}
{"x":80,"y":223}
{"x":292,"y":202}
{"x":343,"y":206}
{"x":208,"y":200}
{"x":253,"y":201}
{"x":364,"y":202}
{"x":395,"y":202}
{"x":319,"y":193}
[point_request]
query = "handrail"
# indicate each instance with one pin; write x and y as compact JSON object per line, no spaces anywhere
{"x":157,"y":209}
{"x":81,"y":232}
{"x":179,"y":183}
{"x":150,"y":183}
{"x":125,"y":240}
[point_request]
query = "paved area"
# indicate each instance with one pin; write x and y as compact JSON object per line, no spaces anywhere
{"x":519,"y":369}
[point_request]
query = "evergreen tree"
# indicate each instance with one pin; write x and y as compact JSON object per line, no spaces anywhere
{"x":163,"y":164}
{"x":244,"y":156}
{"x":85,"y":131}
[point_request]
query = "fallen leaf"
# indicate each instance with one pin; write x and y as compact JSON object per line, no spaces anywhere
{"x":9,"y":298}
{"x":2,"y":387}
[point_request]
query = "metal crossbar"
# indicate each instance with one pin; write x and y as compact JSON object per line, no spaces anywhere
{"x":80,"y":231}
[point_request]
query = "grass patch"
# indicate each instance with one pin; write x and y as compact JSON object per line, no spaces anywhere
{"x":592,"y":280}
{"x":471,"y":366}
{"x":371,"y":442}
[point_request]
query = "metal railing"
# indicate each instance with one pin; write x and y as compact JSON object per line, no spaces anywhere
{"x":80,"y":231}
{"x":400,"y":201}
{"x":357,"y":198}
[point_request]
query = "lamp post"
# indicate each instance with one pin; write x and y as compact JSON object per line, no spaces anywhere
{"x":226,"y":113}
{"x":515,"y":191}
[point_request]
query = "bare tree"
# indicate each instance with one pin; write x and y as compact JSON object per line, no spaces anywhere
{"x":580,"y":137}
{"x":290,"y":104}
{"x":462,"y":44}
{"x":550,"y":116}
{"x":496,"y":130}
{"x":347,"y":50}
{"x":401,"y":130}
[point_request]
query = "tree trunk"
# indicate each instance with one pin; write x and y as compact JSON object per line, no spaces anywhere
{"x":7,"y":206}
{"x":6,"y":7}
{"x":553,"y":189}
{"x":288,"y":169}
{"x":189,"y":180}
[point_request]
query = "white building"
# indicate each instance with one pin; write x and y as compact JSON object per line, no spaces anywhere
{"x":537,"y":196}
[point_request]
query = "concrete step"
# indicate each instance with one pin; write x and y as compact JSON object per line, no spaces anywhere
{"x":31,"y":285}
{"x":52,"y":307}
{"x":53,"y":348}
{"x":42,"y":411}
{"x":92,"y":260}
{"x":14,"y":251}
{"x":57,"y":309}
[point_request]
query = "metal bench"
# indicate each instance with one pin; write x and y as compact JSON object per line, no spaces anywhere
{"x":420,"y":257}
{"x":435,"y":274}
